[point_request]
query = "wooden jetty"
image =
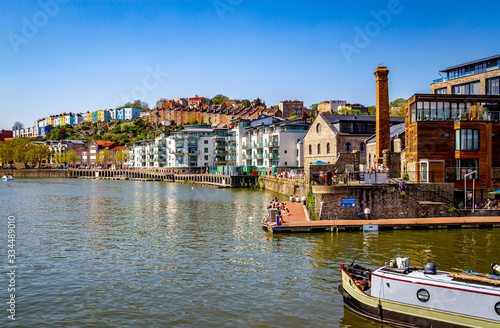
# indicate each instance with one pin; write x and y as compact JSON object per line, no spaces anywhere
{"x":298,"y":221}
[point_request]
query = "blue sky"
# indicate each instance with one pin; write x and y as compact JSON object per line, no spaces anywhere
{"x":68,"y":55}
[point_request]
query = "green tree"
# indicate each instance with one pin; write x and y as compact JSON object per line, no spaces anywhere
{"x":372,"y":110}
{"x":399,"y":105}
{"x":293,"y":116}
{"x":258,"y":102}
{"x":41,"y":153}
{"x":72,"y":156}
{"x":219,"y":99}
{"x":104,"y":156}
{"x":122,"y":156}
{"x":192,"y":120}
{"x":245,"y":103}
{"x":314,"y":107}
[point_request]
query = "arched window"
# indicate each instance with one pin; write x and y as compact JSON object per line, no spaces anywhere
{"x":319,"y":149}
{"x":310,"y":150}
{"x":348,"y":148}
{"x":362,"y":148}
{"x":328,"y":148}
{"x":318,"y":128}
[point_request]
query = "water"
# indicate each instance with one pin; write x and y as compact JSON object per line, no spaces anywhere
{"x":94,"y":253}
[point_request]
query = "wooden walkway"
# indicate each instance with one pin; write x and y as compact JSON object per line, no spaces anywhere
{"x":297,"y":221}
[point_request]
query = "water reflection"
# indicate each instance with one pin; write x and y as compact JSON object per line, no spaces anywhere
{"x":106,"y":253}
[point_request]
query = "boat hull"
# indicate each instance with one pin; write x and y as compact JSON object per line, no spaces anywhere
{"x":402,"y":315}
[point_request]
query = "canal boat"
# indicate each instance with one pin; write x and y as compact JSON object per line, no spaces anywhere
{"x":404,"y":296}
{"x":7,"y":177}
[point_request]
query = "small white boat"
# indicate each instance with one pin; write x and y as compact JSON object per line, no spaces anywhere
{"x":7,"y":177}
{"x":405,"y":296}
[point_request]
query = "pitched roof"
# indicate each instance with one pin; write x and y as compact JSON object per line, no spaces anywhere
{"x":396,"y":130}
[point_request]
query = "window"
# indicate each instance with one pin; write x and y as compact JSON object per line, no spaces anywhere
{"x":472,"y":88}
{"x":206,"y":142}
{"x":319,"y":149}
{"x":318,"y":128}
{"x":423,"y":295}
{"x":466,"y":139}
{"x":286,"y":163}
{"x":362,"y":148}
{"x":493,"y":86}
{"x":441,"y":91}
{"x":348,"y":148}
{"x":310,"y":150}
{"x":205,"y":150}
{"x":446,"y":134}
{"x":328,"y":148}
{"x":285,"y":151}
{"x":206,"y":157}
{"x":466,"y":166}
{"x":493,"y":134}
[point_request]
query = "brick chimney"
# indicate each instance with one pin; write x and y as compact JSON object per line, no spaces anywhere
{"x":383,"y":129}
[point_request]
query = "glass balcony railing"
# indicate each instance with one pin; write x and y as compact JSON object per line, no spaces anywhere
{"x":274,"y":144}
{"x":457,"y":76}
{"x":274,"y":155}
{"x":194,"y":151}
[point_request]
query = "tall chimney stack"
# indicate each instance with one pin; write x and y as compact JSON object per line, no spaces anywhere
{"x":383,"y":129}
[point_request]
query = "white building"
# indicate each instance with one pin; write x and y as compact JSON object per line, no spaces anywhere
{"x":272,"y":141}
{"x":198,"y":146}
{"x":151,"y":153}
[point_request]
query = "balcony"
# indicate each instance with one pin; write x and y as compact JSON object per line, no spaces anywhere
{"x":259,"y":156}
{"x":160,"y":152}
{"x":193,"y":152}
{"x":231,"y":148}
{"x":192,"y":164}
{"x":179,"y":144}
{"x":193,"y":144}
{"x":457,"y":76}
{"x":232,"y":157}
{"x":220,"y":159}
{"x":177,"y":136}
{"x":193,"y":136}
{"x":259,"y":145}
{"x":274,"y":155}
{"x":231,"y":138}
{"x":160,"y":145}
{"x":180,"y":151}
{"x":219,"y":151}
{"x":161,"y":159}
{"x":220,"y":144}
{"x":274,"y":144}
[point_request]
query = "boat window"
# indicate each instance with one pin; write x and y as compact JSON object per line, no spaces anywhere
{"x":423,"y":295}
{"x":497,"y":308}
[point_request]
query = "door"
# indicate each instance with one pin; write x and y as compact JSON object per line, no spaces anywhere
{"x":423,"y":172}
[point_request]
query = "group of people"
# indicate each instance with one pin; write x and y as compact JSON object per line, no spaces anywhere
{"x":289,"y":174}
{"x":488,"y":205}
{"x":378,"y":169}
{"x":281,"y":207}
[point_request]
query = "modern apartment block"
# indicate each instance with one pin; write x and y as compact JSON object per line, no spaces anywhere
{"x":479,"y":77}
{"x":151,"y":153}
{"x":197,"y":146}
{"x":449,"y":137}
{"x":272,"y":141}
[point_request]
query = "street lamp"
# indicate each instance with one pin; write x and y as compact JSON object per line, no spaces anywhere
{"x":465,"y":189}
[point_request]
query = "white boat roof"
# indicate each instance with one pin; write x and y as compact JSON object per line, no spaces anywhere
{"x":441,"y":279}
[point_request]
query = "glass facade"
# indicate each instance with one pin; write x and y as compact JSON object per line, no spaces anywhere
{"x":441,"y":91}
{"x":454,"y":111}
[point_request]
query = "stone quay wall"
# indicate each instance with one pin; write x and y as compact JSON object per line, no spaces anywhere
{"x":382,"y":201}
{"x":285,"y":186}
{"x":42,"y":173}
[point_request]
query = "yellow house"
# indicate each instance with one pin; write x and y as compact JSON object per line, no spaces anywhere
{"x":63,"y":120}
{"x":89,"y":117}
{"x":100,"y":116}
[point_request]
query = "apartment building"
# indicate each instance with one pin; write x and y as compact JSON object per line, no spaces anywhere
{"x":197,"y":146}
{"x":151,"y":153}
{"x":289,"y":107}
{"x":271,"y":141}
{"x":478,"y":77}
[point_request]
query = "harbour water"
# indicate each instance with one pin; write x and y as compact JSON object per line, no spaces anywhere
{"x":94,"y":253}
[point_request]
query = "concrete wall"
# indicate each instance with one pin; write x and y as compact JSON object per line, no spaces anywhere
{"x":35,"y":173}
{"x":381,"y":201}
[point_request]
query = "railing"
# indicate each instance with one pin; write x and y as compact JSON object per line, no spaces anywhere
{"x":274,"y":155}
{"x":259,"y":155}
{"x":457,"y":173}
{"x":259,"y":145}
{"x":220,"y":152}
{"x":192,"y":144}
{"x":231,"y":147}
{"x":192,"y":136}
{"x":161,"y":159}
{"x":179,"y":144}
{"x":193,"y":152}
{"x":160,"y":152}
{"x":180,"y":151}
{"x":274,"y":144}
{"x":160,"y":145}
{"x":457,"y":76}
{"x":231,"y":138}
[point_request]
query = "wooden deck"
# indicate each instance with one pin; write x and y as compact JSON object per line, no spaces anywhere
{"x":298,"y":221}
